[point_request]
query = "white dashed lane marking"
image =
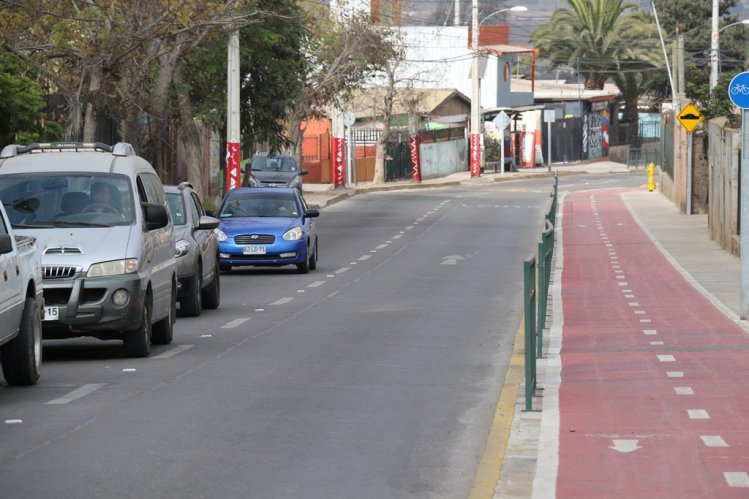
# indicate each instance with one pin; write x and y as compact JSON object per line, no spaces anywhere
{"x":174,"y":351}
{"x":683,"y":390}
{"x":736,"y":478}
{"x":282,"y":301}
{"x":698,"y":414}
{"x":714,"y":441}
{"x":235,"y":323}
{"x":76,"y":394}
{"x":315,"y":284}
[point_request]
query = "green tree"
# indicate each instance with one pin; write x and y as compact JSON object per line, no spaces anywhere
{"x":692,"y":19}
{"x":596,"y":37}
{"x":22,"y":105}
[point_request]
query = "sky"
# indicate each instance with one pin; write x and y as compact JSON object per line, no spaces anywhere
{"x":441,"y":12}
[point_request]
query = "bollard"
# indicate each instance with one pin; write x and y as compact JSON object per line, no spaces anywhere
{"x":651,"y":177}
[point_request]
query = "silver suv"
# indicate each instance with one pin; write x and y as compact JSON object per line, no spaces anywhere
{"x":100,"y":218}
{"x":196,"y":250}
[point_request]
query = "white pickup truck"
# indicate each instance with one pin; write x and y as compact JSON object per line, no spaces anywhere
{"x":20,"y":306}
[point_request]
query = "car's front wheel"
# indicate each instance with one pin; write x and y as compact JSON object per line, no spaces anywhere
{"x":163,"y":331}
{"x":137,"y":342}
{"x":212,"y":294}
{"x":313,"y":258}
{"x":191,"y":303}
{"x":22,"y":357}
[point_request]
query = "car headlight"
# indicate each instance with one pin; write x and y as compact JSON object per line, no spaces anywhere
{"x":294,"y":234}
{"x":221,"y":235}
{"x":114,"y":267}
{"x":296,"y":181}
{"x":181,"y":248}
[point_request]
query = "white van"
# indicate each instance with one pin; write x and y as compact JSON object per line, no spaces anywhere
{"x":100,"y":218}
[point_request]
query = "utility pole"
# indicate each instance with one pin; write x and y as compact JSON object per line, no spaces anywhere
{"x":233,"y":146}
{"x":336,"y":132}
{"x":456,"y":18}
{"x":475,"y":94}
{"x":714,"y":46}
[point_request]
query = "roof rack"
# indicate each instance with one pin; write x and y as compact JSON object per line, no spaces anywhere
{"x":119,"y":149}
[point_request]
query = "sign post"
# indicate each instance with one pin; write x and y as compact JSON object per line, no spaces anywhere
{"x":348,"y":120}
{"x":550,"y":116}
{"x":690,"y":117}
{"x":501,"y":121}
{"x":738,"y":92}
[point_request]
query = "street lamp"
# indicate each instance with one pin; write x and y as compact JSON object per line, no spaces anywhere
{"x":476,"y":125}
{"x":715,"y":49}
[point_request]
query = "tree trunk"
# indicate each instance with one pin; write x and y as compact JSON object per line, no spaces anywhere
{"x":634,"y":122}
{"x":296,"y":135}
{"x":379,"y":170}
{"x":91,"y":118}
{"x":191,"y":157}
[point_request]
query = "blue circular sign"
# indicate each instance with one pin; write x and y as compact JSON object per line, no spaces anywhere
{"x":738,"y":90}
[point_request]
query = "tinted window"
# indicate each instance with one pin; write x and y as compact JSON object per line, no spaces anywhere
{"x":67,"y":199}
{"x":177,"y":208}
{"x":154,"y":190}
{"x":238,"y":205}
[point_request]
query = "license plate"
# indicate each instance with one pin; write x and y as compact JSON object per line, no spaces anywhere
{"x":253,"y":250}
{"x":51,"y":313}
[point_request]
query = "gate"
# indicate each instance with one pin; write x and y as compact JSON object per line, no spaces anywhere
{"x":397,"y":161}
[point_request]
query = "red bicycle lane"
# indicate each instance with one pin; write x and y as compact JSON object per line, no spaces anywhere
{"x":654,"y":393}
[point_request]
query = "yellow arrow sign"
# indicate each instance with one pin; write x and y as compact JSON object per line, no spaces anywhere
{"x":690,"y":117}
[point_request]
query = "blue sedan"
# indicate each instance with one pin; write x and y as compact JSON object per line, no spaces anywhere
{"x":266,"y":227}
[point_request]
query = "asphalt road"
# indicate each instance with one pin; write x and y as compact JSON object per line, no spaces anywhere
{"x":375,"y":375}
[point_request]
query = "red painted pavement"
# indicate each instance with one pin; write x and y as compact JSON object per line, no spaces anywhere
{"x":614,"y":386}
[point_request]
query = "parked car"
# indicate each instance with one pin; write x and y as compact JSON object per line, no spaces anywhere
{"x":267,"y":227}
{"x":20,"y":306}
{"x":274,"y":170}
{"x":100,"y":217}
{"x":196,"y":249}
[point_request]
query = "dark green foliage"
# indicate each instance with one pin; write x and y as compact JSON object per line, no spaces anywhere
{"x":22,"y":105}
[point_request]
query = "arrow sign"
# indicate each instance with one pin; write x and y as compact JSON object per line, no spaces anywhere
{"x":451,"y":260}
{"x":625,"y":446}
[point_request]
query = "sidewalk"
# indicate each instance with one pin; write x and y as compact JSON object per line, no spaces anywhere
{"x":642,"y":386}
{"x":324,"y":194}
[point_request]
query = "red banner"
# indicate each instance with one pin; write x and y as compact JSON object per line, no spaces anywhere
{"x":339,"y":167}
{"x":415,"y":159}
{"x":233,"y":169}
{"x":475,"y":155}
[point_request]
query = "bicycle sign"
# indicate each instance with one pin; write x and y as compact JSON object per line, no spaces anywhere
{"x":738,"y":90}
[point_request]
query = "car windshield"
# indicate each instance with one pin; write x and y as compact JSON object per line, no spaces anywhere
{"x":48,"y":200}
{"x":273,"y":164}
{"x":239,"y":205}
{"x":176,"y":207}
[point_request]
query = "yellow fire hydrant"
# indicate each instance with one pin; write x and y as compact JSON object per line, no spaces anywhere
{"x":651,"y":177}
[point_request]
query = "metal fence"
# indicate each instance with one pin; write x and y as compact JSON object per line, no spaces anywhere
{"x":537,"y":279}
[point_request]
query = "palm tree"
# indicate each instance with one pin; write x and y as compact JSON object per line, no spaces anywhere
{"x":598,"y":37}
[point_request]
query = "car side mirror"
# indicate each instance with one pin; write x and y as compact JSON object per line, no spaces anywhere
{"x":210,"y":213}
{"x":155,"y":215}
{"x":6,"y":244}
{"x":311,"y":213}
{"x":207,"y":223}
{"x":303,"y":171}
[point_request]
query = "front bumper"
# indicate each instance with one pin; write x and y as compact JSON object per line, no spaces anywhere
{"x":277,"y":254}
{"x":85,"y":307}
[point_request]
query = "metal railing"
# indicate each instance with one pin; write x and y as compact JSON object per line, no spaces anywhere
{"x":640,"y":158}
{"x":529,"y":289}
{"x":537,"y":280}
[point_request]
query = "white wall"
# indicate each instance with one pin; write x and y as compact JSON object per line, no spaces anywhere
{"x":438,"y":57}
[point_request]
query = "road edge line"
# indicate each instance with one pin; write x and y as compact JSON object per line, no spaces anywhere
{"x":489,"y":470}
